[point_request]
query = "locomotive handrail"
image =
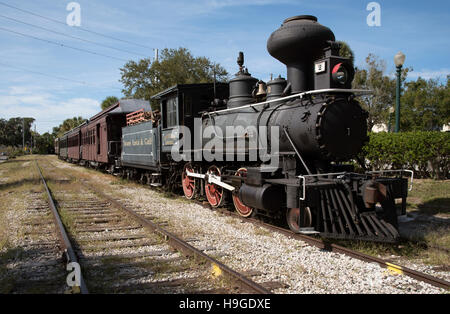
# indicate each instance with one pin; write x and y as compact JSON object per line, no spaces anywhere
{"x":397,"y":170}
{"x":318,"y":91}
{"x":303,"y":197}
{"x":315,"y":175}
{"x":296,"y":151}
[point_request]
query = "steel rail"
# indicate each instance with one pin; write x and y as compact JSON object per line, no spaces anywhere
{"x":64,"y":238}
{"x":321,"y":244}
{"x":183,"y":246}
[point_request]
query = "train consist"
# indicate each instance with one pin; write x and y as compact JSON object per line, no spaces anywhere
{"x":272,"y":149}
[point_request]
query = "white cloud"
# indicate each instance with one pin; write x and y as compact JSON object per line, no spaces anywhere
{"x":81,"y":105}
{"x":430,"y":74}
{"x":44,"y":107}
{"x":232,"y":3}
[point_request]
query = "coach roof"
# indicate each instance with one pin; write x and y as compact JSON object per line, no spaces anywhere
{"x":124,"y":106}
{"x":184,"y":87}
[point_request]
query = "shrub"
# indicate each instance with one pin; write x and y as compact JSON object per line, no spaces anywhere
{"x":14,"y":152}
{"x":427,"y":153}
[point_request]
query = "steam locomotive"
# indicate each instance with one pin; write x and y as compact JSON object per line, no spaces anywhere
{"x":288,"y":151}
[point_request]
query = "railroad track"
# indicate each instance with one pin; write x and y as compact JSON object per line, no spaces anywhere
{"x":122,"y":251}
{"x":324,"y":245}
{"x":37,"y":264}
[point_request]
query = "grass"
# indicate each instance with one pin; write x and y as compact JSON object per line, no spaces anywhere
{"x":4,"y":225}
{"x":262,"y":232}
{"x":406,"y":248}
{"x":120,"y":181}
{"x":435,"y":240}
{"x":232,"y":221}
{"x":68,"y":220}
{"x":19,"y":177}
{"x":7,"y":281}
{"x":430,"y":197}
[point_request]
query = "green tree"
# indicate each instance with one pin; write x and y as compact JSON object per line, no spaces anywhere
{"x":67,"y":125}
{"x":383,"y":87}
{"x":425,"y":105}
{"x":346,"y":52}
{"x":143,"y":79}
{"x":109,"y":101}
{"x":44,"y":144}
{"x":12,"y":131}
{"x":3,"y":133}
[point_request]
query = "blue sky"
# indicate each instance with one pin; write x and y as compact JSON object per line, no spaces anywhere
{"x":217,"y":29}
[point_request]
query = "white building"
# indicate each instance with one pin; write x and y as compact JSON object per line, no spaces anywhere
{"x":382,"y":127}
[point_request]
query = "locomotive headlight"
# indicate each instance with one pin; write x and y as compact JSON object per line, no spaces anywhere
{"x":340,"y":74}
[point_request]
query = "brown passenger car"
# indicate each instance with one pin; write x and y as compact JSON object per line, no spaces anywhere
{"x":101,"y":136}
{"x":73,"y":143}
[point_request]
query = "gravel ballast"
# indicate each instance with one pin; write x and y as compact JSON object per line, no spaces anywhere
{"x":305,"y":269}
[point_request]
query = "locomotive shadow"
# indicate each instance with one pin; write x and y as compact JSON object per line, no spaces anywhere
{"x":10,"y":161}
{"x":428,"y":218}
{"x":435,"y":206}
{"x":19,"y":275}
{"x":18,"y":183}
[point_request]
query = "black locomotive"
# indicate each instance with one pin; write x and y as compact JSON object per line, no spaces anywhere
{"x":288,"y":147}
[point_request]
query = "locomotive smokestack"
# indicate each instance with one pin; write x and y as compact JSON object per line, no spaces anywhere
{"x":298,"y":43}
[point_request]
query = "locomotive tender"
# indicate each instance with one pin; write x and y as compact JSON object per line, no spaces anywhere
{"x":287,"y":159}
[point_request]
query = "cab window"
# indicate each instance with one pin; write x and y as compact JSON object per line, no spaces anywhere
{"x":170,"y":112}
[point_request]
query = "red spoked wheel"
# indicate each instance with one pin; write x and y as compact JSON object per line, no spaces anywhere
{"x":294,"y":220}
{"x":241,"y":208}
{"x":188,"y":182}
{"x":214,"y":193}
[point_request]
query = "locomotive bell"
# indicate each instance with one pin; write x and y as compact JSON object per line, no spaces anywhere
{"x":297,"y":43}
{"x":261,"y":90}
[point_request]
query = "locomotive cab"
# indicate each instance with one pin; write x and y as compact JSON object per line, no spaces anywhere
{"x":180,"y":105}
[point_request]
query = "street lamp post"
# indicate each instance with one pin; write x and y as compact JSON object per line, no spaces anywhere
{"x":391,"y":111}
{"x":399,"y":59}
